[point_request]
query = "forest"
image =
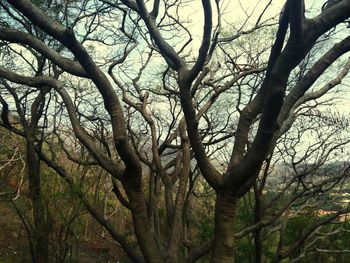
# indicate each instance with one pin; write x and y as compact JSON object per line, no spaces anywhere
{"x":174,"y":131}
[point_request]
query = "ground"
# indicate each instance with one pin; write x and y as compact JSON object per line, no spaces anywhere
{"x":14,"y":244}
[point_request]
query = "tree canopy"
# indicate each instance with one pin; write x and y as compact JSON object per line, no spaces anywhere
{"x":212,"y":131}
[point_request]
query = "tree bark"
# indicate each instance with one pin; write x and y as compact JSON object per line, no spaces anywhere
{"x":174,"y":253}
{"x":257,"y":219}
{"x":148,"y":245}
{"x":41,"y":247}
{"x":224,"y":241}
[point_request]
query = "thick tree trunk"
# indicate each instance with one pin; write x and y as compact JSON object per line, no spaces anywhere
{"x":143,"y":229}
{"x":224,"y":240}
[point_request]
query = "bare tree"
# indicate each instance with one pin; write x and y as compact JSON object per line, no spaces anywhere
{"x":266,"y":101}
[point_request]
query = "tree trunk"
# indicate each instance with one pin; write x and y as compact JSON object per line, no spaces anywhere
{"x":174,"y":253}
{"x":257,"y":218}
{"x":143,"y":230}
{"x":224,"y":241}
{"x":258,"y":245}
{"x":41,"y":248}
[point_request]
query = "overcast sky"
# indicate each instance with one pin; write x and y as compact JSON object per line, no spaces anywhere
{"x":235,"y":11}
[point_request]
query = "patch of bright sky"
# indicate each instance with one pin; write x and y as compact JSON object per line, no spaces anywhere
{"x":234,"y":14}
{"x":238,"y":13}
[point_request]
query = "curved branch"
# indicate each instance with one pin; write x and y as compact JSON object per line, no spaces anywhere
{"x":204,"y":48}
{"x":312,"y":75}
{"x":110,"y":98}
{"x":107,"y":163}
{"x":16,"y":36}
{"x":296,"y":15}
{"x":170,"y":55}
{"x":329,"y":18}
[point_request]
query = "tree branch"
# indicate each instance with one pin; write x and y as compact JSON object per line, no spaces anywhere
{"x":16,"y":36}
{"x":203,"y":50}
